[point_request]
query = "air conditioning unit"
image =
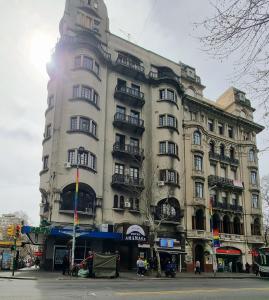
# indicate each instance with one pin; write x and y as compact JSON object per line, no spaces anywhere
{"x":161,"y":183}
{"x":127,"y":204}
{"x":67,"y":165}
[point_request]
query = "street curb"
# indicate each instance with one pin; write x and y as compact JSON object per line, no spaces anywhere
{"x":20,"y":278}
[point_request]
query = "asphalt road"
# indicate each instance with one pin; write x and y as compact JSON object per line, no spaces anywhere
{"x":233,"y":289}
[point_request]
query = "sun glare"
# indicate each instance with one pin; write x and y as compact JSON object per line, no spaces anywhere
{"x":41,"y":44}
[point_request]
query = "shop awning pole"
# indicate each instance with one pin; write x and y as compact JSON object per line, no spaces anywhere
{"x":180,"y":267}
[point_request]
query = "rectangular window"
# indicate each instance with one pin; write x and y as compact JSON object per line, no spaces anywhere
{"x":162,"y":94}
{"x":172,"y":149}
{"x":199,"y":190}
{"x":255,"y":199}
{"x":213,"y":170}
{"x":135,"y":88}
{"x":48,"y":131}
{"x":51,"y":101}
{"x":233,"y":174}
{"x":171,"y":121}
{"x":72,"y":157}
{"x":134,"y":172}
{"x":92,"y":161}
{"x":230,"y":132}
{"x":223,"y":172}
{"x":93,"y":128}
{"x":95,"y":98}
{"x":193,"y":116}
{"x":77,"y":62}
{"x":83,"y":158}
{"x":171,"y":176}
{"x":84,"y":124}
{"x":170,"y":95}
{"x":210,"y":125}
{"x":96,"y":68}
{"x":134,"y":142}
{"x":87,"y":63}
{"x":198,"y":163}
{"x":253,"y":177}
{"x":86,"y":92}
{"x":121,"y":83}
{"x":45,"y":162}
{"x":76,"y":91}
{"x":120,"y":139}
{"x":134,"y":117}
{"x":221,"y":128}
{"x":74,"y":123}
{"x":162,"y":147}
{"x":119,"y":169}
{"x":120,"y":110}
{"x":162,"y":120}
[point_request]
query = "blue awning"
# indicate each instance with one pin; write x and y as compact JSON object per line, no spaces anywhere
{"x":82,"y":233}
{"x":68,"y":231}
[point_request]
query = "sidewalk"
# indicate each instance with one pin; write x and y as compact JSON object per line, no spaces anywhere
{"x":36,"y":274}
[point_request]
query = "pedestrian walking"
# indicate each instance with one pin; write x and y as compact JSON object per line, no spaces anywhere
{"x":215,"y":268}
{"x":89,"y":260}
{"x":198,"y":267}
{"x":140,"y":266}
{"x":117,"y":264}
{"x":230,"y":266}
{"x":65,"y":264}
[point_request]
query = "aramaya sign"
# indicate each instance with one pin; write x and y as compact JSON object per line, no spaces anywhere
{"x":134,"y":233}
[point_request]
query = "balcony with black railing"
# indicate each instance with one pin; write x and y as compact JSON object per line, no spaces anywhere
{"x":164,"y":76}
{"x":127,"y":183}
{"x":129,"y":123}
{"x":130,"y":67}
{"x":226,"y":206}
{"x":227,"y":183}
{"x":223,"y":158}
{"x":127,"y":151}
{"x":130,"y":96}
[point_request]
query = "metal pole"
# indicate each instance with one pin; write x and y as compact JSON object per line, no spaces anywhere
{"x":14,"y":255}
{"x":75,"y":214}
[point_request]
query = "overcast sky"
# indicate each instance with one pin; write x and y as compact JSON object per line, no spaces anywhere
{"x":28,"y":33}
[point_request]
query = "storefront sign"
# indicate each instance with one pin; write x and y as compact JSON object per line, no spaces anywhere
{"x":167,"y":243}
{"x":228,"y":251}
{"x":135,"y":233}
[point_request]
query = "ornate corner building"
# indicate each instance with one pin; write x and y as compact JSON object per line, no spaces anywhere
{"x":141,"y":133}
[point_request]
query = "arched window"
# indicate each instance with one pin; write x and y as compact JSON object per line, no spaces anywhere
{"x":121,"y":202}
{"x":222,"y":150}
{"x":251,"y":155}
{"x":197,"y":137}
{"x":216,"y":222}
{"x":226,"y":224}
{"x":199,"y":219}
{"x":168,"y":209}
{"x":116,"y":201}
{"x":86,"y":199}
{"x":212,"y":147}
{"x":237,"y":226}
{"x":232,"y":153}
{"x":257,"y":227}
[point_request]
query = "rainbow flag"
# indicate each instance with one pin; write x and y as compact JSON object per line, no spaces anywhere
{"x":76,"y":220}
{"x":216,"y":241}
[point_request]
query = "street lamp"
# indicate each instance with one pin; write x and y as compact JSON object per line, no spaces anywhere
{"x":80,"y":150}
{"x":214,"y":259}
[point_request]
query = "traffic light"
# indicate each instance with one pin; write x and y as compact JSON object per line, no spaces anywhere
{"x":10,"y":230}
{"x":18,"y":231}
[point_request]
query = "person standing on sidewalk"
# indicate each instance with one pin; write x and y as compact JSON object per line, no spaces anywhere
{"x":140,"y":266}
{"x":65,"y":264}
{"x":198,"y":267}
{"x":215,"y":268}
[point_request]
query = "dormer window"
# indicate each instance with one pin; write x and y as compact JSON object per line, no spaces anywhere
{"x":84,"y":20}
{"x":241,"y":97}
{"x":190,"y":73}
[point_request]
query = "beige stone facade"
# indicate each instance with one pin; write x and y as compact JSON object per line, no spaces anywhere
{"x":146,"y":129}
